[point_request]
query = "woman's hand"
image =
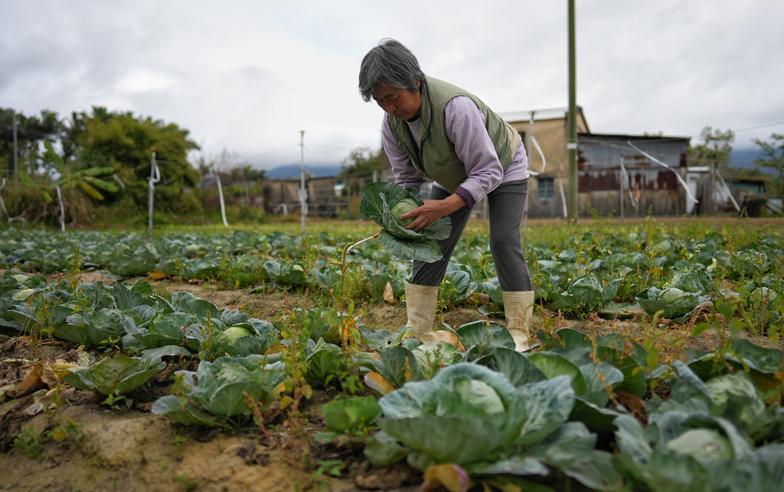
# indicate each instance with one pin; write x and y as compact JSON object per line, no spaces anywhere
{"x":432,"y":210}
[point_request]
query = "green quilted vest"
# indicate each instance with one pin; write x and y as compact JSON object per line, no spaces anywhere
{"x":435,"y":156}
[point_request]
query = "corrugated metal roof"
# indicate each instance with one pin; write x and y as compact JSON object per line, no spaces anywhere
{"x":643,"y":138}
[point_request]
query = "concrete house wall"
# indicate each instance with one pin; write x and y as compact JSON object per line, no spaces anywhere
{"x":550,"y":131}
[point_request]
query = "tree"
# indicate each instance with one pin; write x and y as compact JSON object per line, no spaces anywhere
{"x":361,"y":162}
{"x":31,"y":133}
{"x":714,"y":150}
{"x":359,"y":166}
{"x":125,"y":142}
{"x":91,"y":181}
{"x":773,"y":151}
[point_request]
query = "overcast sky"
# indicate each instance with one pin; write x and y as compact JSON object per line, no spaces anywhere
{"x":247,"y":76}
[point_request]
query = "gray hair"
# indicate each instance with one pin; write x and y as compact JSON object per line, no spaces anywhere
{"x":389,"y":63}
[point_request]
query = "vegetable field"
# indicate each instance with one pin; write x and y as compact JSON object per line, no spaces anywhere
{"x":262,"y":359}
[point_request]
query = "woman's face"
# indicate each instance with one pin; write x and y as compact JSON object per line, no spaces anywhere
{"x":401,"y":103}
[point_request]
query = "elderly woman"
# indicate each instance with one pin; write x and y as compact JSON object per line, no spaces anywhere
{"x":435,"y":130}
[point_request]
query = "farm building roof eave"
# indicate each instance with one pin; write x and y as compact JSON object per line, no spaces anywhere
{"x":633,"y":137}
{"x":524,"y":116}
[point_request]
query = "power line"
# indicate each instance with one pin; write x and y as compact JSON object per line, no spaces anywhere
{"x":673,"y":139}
{"x":760,"y":126}
{"x":677,"y":139}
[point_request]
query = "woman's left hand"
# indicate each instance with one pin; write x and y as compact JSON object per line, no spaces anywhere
{"x":432,"y":210}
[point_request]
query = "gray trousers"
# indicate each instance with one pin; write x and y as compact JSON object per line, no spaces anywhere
{"x":507,"y":205}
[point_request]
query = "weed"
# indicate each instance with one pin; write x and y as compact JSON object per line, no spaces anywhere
{"x":294,"y":356}
{"x":29,"y":442}
{"x":112,"y":400}
{"x":73,"y":266}
{"x":188,"y":484}
{"x":724,"y":323}
{"x":178,"y":443}
{"x":69,"y":432}
{"x":319,"y":478}
{"x":209,"y":333}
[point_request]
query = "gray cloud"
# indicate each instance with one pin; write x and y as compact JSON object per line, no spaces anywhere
{"x":247,"y":76}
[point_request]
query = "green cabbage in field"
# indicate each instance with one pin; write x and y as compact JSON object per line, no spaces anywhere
{"x":466,"y":414}
{"x":675,"y":304}
{"x":234,"y":333}
{"x":219,"y":391}
{"x":473,"y":417}
{"x":703,"y":438}
{"x":470,"y":414}
{"x":116,"y":375}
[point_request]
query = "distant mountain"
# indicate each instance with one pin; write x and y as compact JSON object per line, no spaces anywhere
{"x":744,"y":159}
{"x":289,"y":171}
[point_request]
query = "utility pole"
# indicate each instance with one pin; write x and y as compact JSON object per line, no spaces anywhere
{"x":303,"y":203}
{"x":571,"y":146}
{"x":15,"y":175}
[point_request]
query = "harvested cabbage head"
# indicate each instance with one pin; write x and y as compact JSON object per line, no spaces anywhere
{"x":403,"y":207}
{"x":385,"y":203}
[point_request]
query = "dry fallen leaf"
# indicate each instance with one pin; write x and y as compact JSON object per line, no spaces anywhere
{"x":8,"y":389}
{"x":389,"y":294}
{"x":31,"y":381}
{"x":376,"y":381}
{"x":448,"y":337}
{"x":451,"y":477}
{"x":54,"y":372}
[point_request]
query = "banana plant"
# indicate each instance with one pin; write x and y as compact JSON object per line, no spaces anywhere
{"x":92,"y":181}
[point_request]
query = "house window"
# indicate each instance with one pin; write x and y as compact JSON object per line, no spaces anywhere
{"x":545,"y":188}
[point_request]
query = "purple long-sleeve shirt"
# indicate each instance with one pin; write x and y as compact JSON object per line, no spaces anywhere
{"x":465,"y":128}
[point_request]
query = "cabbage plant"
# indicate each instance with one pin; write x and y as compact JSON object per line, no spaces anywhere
{"x":219,"y":391}
{"x":348,"y":417}
{"x":474,"y":418}
{"x":676,"y":304}
{"x":471,"y":414}
{"x":116,"y":375}
{"x":465,"y":414}
{"x":385,"y":203}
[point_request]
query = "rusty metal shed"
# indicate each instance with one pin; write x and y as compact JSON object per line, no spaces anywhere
{"x":632,"y":174}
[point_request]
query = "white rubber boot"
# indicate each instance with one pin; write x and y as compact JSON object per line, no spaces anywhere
{"x":519,"y":310}
{"x":421,"y":303}
{"x":421,"y":307}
